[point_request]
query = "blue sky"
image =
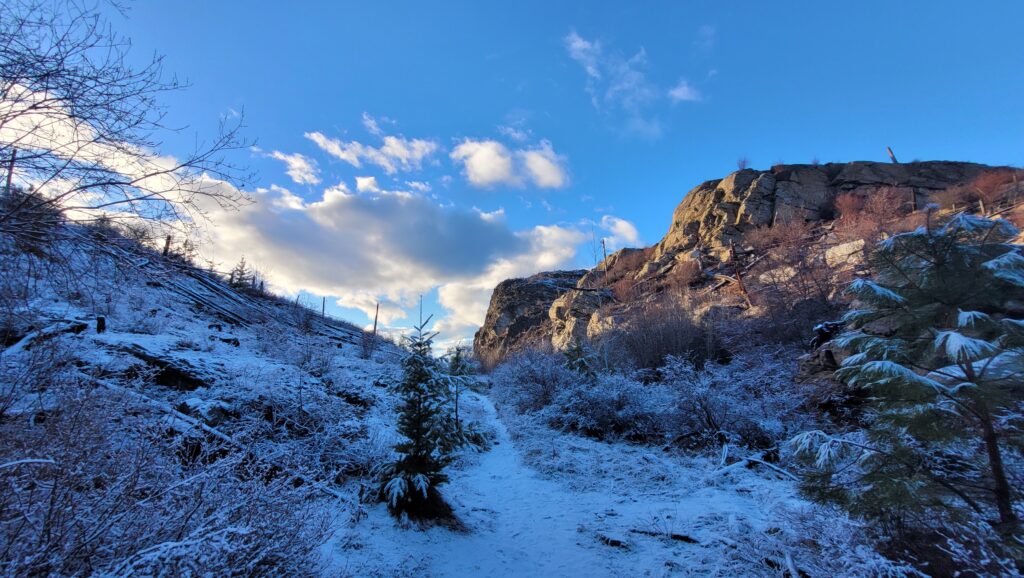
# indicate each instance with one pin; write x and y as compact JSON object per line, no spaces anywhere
{"x":502,"y":138}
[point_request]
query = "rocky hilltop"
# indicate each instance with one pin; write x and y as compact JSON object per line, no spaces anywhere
{"x":555,"y":308}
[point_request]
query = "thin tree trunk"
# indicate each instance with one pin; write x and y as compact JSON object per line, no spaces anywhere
{"x":1003,"y":492}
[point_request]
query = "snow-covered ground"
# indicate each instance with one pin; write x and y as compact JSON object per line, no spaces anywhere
{"x":611,"y":509}
{"x":277,"y":386}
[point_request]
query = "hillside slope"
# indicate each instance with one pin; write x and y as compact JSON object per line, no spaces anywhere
{"x":156,"y":420}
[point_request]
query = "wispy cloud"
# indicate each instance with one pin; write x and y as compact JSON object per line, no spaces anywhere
{"x":683,"y":91}
{"x":706,"y":37}
{"x":396,"y":153}
{"x":618,"y":86}
{"x":303,"y":170}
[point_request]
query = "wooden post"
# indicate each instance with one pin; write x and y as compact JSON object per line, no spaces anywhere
{"x":375,"y":313}
{"x":892,"y":156}
{"x":604,"y":250}
{"x":739,"y":274}
{"x":323,"y":307}
{"x":167,"y":245}
{"x":10,"y":170}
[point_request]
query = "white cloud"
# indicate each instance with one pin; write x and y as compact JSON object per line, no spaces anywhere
{"x":491,"y":216}
{"x":618,"y":86}
{"x":367,"y":185}
{"x":367,"y":302}
{"x":485,"y":162}
{"x":419,"y":186}
{"x":301,"y":169}
{"x":683,"y":92}
{"x":391,"y":246}
{"x":286,"y":199}
{"x":623,"y":233}
{"x":544,"y":167}
{"x":396,"y":153}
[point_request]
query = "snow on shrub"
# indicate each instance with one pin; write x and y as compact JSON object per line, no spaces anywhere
{"x":530,"y":380}
{"x":750,"y":400}
{"x":92,"y":483}
{"x":614,"y":405}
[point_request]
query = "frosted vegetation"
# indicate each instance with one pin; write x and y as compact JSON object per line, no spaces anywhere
{"x":160,"y":418}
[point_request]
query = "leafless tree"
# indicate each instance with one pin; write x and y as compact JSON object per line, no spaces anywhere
{"x":81,"y":128}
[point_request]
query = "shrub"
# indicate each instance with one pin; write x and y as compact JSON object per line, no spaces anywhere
{"x":878,"y":212}
{"x":614,"y":405}
{"x":653,"y":332}
{"x":749,"y":401}
{"x":992,"y":186}
{"x":530,"y":379}
{"x":97,"y":485}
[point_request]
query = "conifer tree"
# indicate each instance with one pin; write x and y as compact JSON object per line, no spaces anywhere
{"x":459,"y":371}
{"x":578,"y":359}
{"x":240,"y":276}
{"x":938,"y":344}
{"x":425,"y":422}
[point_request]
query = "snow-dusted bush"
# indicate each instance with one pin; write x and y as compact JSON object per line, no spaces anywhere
{"x":654,"y":332}
{"x":94,"y":483}
{"x":807,"y":541}
{"x":751,"y":400}
{"x":530,"y":380}
{"x":139,"y":311}
{"x":614,"y":405}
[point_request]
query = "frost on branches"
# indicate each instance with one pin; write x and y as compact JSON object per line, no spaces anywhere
{"x":430,"y":431}
{"x":938,"y":343}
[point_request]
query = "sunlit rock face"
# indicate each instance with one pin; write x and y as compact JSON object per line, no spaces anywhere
{"x":553,"y":309}
{"x":717,"y":212}
{"x":518,"y":314}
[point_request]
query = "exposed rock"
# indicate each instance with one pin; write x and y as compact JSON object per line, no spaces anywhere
{"x":845,"y":255}
{"x":717,"y":212}
{"x":571,"y":314}
{"x":518,"y":314}
{"x":779,"y":275}
{"x":544,"y":310}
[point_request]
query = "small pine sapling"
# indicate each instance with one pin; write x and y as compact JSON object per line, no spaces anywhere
{"x":578,"y":359}
{"x":430,"y":436}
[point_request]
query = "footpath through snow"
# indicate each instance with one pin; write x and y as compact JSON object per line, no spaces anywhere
{"x":519,"y":523}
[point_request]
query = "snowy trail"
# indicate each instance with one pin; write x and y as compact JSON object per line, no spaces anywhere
{"x":518,"y":524}
{"x":521,"y":524}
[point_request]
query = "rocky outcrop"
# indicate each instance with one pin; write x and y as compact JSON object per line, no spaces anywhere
{"x":720,"y":211}
{"x":544,"y":310}
{"x":518,"y":315}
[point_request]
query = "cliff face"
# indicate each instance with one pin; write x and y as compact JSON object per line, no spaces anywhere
{"x":556,"y":308}
{"x":518,"y":314}
{"x":719,"y":211}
